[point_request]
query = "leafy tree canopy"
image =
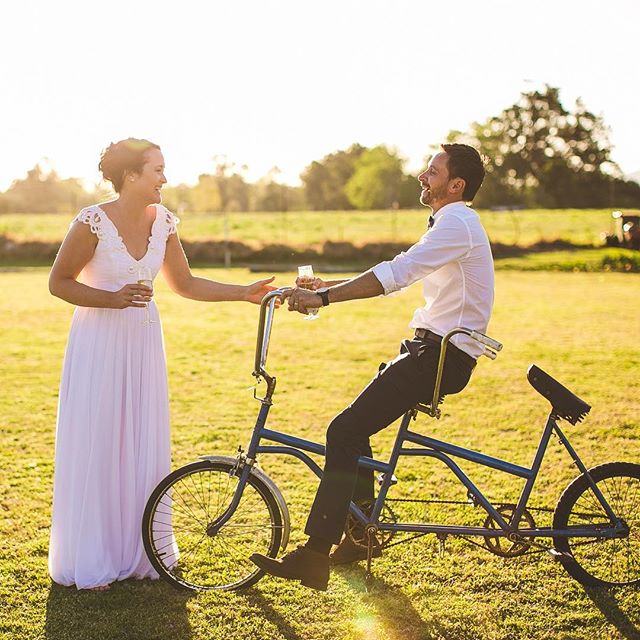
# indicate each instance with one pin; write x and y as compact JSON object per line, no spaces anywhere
{"x":379,"y":181}
{"x":325,"y":180}
{"x":544,"y":155}
{"x":44,"y":191}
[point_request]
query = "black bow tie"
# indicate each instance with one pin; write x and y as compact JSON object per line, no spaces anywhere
{"x":431,"y":221}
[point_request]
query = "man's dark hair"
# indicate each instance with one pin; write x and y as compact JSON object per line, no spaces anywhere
{"x":465,"y":162}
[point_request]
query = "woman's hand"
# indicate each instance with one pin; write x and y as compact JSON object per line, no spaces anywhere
{"x":131,"y":295}
{"x":258,"y":290}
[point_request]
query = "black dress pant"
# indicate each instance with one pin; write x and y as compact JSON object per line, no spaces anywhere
{"x":398,"y":386}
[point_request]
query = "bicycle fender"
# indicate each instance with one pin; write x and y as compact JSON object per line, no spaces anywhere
{"x":271,"y":485}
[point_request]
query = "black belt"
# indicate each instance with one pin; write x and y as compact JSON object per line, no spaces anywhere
{"x":429,"y":336}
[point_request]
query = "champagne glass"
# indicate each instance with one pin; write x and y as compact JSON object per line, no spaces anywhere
{"x":305,"y":280}
{"x":145,"y":278}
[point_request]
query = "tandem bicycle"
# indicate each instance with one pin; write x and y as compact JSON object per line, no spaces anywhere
{"x":203,"y":521}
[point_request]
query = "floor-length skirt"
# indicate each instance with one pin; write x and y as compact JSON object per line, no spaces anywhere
{"x":112,"y":446}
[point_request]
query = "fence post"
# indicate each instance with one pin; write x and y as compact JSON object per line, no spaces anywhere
{"x":227,"y":250}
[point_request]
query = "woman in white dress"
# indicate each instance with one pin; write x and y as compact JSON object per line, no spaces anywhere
{"x":112,"y":437}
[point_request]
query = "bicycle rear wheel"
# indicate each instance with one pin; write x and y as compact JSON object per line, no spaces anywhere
{"x":601,"y":561}
{"x":174,"y":528}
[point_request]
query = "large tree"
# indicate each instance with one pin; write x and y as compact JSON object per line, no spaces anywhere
{"x":269,"y":194}
{"x":325,"y":180}
{"x":542,"y":154}
{"x":235,"y":192}
{"x":42,"y":190}
{"x":379,"y":181}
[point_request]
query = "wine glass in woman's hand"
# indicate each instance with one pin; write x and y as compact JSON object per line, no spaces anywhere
{"x":145,"y":278}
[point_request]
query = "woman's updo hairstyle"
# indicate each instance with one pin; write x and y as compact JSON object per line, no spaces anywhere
{"x":122,"y":157}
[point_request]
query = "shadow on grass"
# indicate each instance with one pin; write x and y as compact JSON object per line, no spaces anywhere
{"x":605,"y":600}
{"x":258,"y":600}
{"x":129,"y":610}
{"x":393,"y":609}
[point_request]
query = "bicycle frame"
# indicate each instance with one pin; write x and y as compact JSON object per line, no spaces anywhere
{"x":424,"y":446}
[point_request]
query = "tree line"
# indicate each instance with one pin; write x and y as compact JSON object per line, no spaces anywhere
{"x":538,"y":153}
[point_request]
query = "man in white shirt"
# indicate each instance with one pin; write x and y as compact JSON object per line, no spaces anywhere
{"x":454,"y":262}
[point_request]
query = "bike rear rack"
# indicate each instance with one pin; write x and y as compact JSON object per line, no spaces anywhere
{"x":491,"y":349}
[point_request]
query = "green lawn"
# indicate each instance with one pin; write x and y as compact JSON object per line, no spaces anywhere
{"x":600,"y":259}
{"x":580,"y":327}
{"x":310,"y":228}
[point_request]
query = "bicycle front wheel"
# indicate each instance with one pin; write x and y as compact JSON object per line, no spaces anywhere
{"x":601,"y":561}
{"x":176,"y":518}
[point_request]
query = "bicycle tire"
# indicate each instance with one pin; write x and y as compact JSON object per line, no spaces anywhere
{"x":174,"y":528}
{"x":599,"y":561}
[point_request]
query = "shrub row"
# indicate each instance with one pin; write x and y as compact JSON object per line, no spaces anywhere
{"x":343,"y":254}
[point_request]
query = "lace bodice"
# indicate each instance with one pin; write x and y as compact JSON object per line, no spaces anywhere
{"x":112,"y":266}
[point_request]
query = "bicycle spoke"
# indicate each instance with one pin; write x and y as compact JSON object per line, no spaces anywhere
{"x":186,"y":505}
{"x":188,"y":489}
{"x":172,"y":532}
{"x":184,"y":556}
{"x":173,"y":526}
{"x":209,"y":493}
{"x":176,"y":508}
{"x":199,"y":491}
{"x":241,"y":553}
{"x":218,"y":494}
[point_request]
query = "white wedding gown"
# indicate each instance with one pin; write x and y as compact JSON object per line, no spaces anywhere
{"x":112,"y":437}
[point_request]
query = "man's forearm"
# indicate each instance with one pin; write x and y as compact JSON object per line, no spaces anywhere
{"x":333,"y":283}
{"x":366,"y":285}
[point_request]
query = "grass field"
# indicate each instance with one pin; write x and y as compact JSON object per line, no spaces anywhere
{"x":580,"y":327}
{"x":600,"y":259}
{"x":311,"y":228}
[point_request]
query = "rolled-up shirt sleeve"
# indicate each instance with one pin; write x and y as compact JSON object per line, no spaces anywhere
{"x":448,"y":240}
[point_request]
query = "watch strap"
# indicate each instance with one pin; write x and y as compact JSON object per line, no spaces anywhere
{"x":324,"y":295}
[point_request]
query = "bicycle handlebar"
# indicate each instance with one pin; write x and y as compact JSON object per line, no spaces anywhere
{"x":493,"y":345}
{"x":267,"y":308}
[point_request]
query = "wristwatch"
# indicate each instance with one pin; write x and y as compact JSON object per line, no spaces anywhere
{"x":323,"y":292}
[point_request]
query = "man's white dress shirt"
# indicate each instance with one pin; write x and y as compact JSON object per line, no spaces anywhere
{"x":453,"y":259}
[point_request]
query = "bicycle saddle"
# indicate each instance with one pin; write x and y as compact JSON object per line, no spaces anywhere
{"x":564,"y":403}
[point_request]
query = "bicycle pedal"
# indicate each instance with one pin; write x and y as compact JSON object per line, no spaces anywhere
{"x":442,"y":539}
{"x":472,"y":500}
{"x":381,"y":476}
{"x":559,"y":555}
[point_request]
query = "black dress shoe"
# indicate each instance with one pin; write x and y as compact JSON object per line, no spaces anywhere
{"x":310,"y":567}
{"x":348,"y":551}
